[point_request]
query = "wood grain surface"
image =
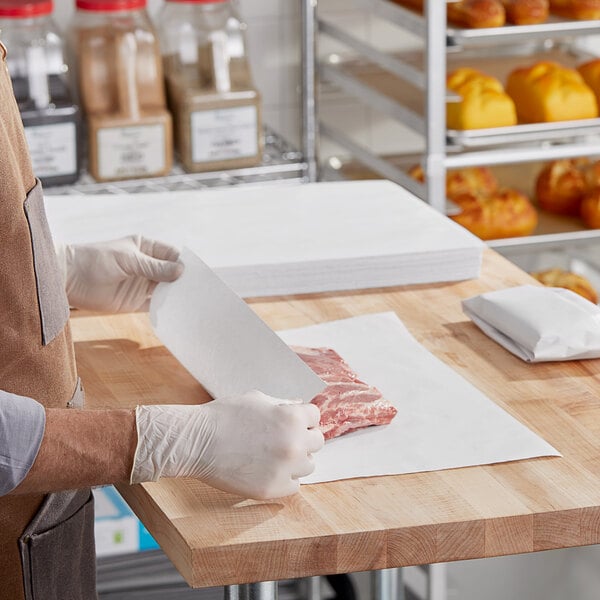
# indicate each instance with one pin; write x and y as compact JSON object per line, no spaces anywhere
{"x":215,"y":538}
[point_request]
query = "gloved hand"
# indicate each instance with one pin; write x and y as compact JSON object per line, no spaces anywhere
{"x":252,"y":445}
{"x":116,"y":276}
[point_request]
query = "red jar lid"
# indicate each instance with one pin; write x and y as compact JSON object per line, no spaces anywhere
{"x":110,"y":5}
{"x":196,"y":1}
{"x":19,"y":9}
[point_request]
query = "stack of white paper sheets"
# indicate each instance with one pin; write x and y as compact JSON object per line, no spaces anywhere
{"x":287,"y":239}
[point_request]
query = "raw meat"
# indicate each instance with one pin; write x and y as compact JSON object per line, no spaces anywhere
{"x":347,"y":403}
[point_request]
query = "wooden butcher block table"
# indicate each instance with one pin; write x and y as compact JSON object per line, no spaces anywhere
{"x":215,"y":538}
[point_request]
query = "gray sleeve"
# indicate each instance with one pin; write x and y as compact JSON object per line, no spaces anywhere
{"x":22,"y":423}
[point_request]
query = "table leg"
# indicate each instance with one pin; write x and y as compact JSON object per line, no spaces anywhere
{"x":437,"y":589}
{"x":231,"y":592}
{"x":265,"y":590}
{"x":386,"y":584}
{"x":313,"y":588}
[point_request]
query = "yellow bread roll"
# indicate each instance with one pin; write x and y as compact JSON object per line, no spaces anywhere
{"x":483,"y":102}
{"x":590,"y":71}
{"x":547,"y":91}
{"x":464,"y":76}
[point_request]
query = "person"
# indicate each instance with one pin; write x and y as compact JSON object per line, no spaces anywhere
{"x":50,"y":452}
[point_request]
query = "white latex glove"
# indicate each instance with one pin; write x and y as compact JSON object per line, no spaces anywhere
{"x":118,"y":275}
{"x":251,"y":445}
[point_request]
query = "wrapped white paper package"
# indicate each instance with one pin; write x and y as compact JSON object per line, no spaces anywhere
{"x":538,"y":323}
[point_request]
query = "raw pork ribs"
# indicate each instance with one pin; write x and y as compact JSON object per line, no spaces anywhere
{"x":347,"y":403}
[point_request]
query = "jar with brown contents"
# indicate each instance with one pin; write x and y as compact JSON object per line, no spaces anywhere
{"x":216,"y":109}
{"x":39,"y":73}
{"x":122,"y":90}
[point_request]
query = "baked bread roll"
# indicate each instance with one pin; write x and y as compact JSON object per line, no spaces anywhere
{"x":526,"y":12}
{"x":470,"y":181}
{"x":560,"y":186}
{"x":468,"y":13}
{"x":590,"y":71}
{"x":476,"y":13}
{"x":566,"y":279}
{"x":507,"y":213}
{"x":591,"y":172}
{"x":465,"y":76}
{"x":576,"y":9}
{"x":547,"y":91}
{"x":483,"y":104}
{"x":590,"y":208}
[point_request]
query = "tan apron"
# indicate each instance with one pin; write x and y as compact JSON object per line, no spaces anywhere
{"x":46,"y":542}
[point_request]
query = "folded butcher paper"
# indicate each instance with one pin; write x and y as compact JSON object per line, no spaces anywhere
{"x":538,"y":323}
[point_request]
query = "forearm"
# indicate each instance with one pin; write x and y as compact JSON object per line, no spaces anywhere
{"x":82,"y":448}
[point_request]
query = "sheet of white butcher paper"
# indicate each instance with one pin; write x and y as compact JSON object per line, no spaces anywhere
{"x":221,"y":341}
{"x":443,"y":421}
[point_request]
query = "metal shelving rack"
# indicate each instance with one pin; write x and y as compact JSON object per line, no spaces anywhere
{"x":443,"y":149}
{"x":281,"y":162}
{"x":446,"y":149}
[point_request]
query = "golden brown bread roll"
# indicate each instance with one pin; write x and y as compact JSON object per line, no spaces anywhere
{"x":590,"y":208}
{"x":471,"y":180}
{"x":414,"y":4}
{"x":590,"y":71}
{"x":486,"y":211}
{"x":483,"y":104}
{"x":476,"y":13}
{"x":576,"y":9}
{"x":507,"y":213}
{"x":566,"y":279}
{"x":560,"y":186}
{"x":547,"y":91}
{"x":526,"y":12}
{"x":468,"y":13}
{"x":591,"y":172}
{"x":475,"y":181}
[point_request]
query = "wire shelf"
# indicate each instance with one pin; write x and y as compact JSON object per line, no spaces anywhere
{"x":281,"y":162}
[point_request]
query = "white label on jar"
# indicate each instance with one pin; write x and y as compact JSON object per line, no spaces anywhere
{"x":223,"y":134}
{"x":37,"y":76}
{"x":132,"y":151}
{"x":53,"y":149}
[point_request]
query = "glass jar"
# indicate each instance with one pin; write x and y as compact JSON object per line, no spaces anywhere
{"x":215,"y":106}
{"x":121,"y":89}
{"x":39,"y":71}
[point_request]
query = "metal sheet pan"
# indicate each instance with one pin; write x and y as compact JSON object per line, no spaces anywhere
{"x":457,"y":36}
{"x":509,"y":34}
{"x":530,"y":132}
{"x":371,"y":76}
